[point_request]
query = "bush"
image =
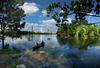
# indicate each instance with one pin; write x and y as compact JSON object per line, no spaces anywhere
{"x":79,"y":31}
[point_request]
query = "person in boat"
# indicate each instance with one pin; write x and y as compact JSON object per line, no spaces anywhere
{"x":38,"y":46}
{"x":42,"y":43}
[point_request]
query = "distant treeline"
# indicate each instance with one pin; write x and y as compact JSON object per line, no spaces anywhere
{"x":9,"y":33}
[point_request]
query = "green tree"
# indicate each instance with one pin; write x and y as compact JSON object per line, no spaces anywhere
{"x":81,"y":9}
{"x":10,"y":16}
{"x":58,"y":12}
{"x":77,"y":8}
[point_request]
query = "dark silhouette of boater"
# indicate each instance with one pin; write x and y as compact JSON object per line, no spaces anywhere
{"x":38,"y":46}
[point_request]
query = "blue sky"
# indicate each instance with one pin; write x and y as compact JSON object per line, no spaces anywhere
{"x":34,"y":11}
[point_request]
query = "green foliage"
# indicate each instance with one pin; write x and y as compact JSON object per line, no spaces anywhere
{"x":79,"y":27}
{"x":12,"y":65}
{"x":10,"y":16}
{"x":8,"y":56}
{"x":80,"y":7}
{"x":7,"y":50}
{"x":56,"y":11}
{"x":79,"y":31}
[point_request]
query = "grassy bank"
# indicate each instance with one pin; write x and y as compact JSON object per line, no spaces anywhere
{"x":8,"y":57}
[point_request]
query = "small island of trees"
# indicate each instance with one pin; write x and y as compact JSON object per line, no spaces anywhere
{"x":80,"y":27}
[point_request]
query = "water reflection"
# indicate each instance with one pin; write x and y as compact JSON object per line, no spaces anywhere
{"x":79,"y":53}
{"x":81,"y":44}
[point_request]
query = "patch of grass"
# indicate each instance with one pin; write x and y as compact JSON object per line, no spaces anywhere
{"x":12,"y":65}
{"x":8,"y":57}
{"x":7,"y":50}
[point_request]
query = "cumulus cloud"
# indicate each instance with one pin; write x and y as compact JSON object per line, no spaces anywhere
{"x":49,"y":26}
{"x":29,"y":8}
{"x":44,"y":12}
{"x":51,"y":21}
{"x":44,"y":26}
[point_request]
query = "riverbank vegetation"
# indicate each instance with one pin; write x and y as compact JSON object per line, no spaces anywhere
{"x":75,"y":30}
{"x":78,"y":10}
{"x":10,"y":17}
{"x":8,"y":57}
{"x":20,"y":33}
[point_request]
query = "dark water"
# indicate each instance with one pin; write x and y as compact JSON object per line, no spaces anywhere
{"x":83,"y":53}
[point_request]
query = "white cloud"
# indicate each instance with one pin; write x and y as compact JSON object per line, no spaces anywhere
{"x":69,"y":20}
{"x":61,"y":11}
{"x":51,"y":21}
{"x":49,"y":26}
{"x":44,"y":26}
{"x":29,"y":8}
{"x":44,"y":12}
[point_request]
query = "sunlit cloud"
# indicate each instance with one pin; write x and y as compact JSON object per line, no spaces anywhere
{"x":44,"y":26}
{"x":30,"y":8}
{"x":49,"y":22}
{"x":48,"y":25}
{"x":44,"y":12}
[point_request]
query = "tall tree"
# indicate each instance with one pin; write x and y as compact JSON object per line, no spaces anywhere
{"x":81,"y":9}
{"x":10,"y":16}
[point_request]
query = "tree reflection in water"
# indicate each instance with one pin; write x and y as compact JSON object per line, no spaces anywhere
{"x":80,"y":43}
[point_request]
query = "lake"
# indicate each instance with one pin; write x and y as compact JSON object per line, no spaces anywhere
{"x":61,"y":53}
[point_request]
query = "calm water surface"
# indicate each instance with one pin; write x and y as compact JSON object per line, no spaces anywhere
{"x":76,"y":53}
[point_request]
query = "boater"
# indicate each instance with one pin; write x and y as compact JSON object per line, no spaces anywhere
{"x":38,"y":46}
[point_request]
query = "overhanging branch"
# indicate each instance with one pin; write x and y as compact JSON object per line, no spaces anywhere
{"x":87,"y":14}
